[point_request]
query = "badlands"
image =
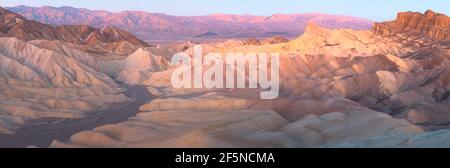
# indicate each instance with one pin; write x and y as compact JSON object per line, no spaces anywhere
{"x":384,"y":87}
{"x":49,"y":73}
{"x":160,"y":27}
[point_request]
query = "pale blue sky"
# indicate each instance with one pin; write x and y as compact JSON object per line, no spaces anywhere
{"x":376,"y":10}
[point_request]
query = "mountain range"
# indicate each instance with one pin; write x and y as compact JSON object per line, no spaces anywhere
{"x":107,"y":38}
{"x":162,"y":26}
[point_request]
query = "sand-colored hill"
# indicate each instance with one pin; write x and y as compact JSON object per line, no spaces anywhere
{"x":321,"y":41}
{"x":431,"y":24}
{"x":31,"y":89}
{"x":107,"y":39}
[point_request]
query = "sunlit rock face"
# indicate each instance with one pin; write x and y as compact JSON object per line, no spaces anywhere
{"x":431,"y":24}
{"x":52,"y":72}
{"x":43,"y":83}
{"x":105,"y":39}
{"x":227,"y":127}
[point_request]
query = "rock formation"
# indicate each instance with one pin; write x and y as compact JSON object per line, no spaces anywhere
{"x":139,"y":66}
{"x":42,"y":83}
{"x":338,"y":87}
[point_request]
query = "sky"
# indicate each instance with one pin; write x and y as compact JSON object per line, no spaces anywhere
{"x":376,"y":10}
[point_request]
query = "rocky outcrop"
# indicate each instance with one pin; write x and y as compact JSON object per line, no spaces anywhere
{"x":431,"y":24}
{"x":228,"y":127}
{"x":318,"y":40}
{"x":109,"y":38}
{"x":276,"y":40}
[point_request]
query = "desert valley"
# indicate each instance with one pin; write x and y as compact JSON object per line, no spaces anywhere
{"x":73,"y":77}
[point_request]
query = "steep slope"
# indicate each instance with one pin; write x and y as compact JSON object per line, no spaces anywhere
{"x":214,"y":124}
{"x":157,"y":25}
{"x":107,"y":38}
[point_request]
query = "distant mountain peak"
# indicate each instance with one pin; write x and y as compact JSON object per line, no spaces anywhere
{"x":159,"y":26}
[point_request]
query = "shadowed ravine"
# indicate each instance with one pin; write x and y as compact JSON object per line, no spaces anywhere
{"x":41,"y":133}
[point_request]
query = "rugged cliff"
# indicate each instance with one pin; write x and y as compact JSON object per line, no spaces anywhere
{"x":431,"y":24}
